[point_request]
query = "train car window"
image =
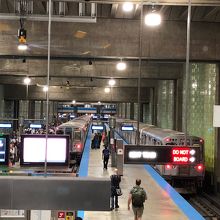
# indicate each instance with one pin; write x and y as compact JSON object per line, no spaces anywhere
{"x":69,"y":132}
{"x":77,"y":135}
{"x":59,"y":131}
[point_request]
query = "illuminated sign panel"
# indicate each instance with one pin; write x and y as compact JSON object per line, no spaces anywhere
{"x":35,"y":126}
{"x":97,"y":127}
{"x":5,"y":125}
{"x":127,"y":128}
{"x":4,"y":149}
{"x":160,"y":154}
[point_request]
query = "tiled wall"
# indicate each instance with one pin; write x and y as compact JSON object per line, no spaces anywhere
{"x":202,"y":95}
{"x":165,"y":104}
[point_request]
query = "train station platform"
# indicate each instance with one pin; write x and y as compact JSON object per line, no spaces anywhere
{"x":163,"y":201}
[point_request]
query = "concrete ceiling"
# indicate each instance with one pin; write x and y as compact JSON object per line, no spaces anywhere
{"x":85,"y":53}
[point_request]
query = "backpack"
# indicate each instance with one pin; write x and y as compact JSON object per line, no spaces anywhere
{"x":106,"y":152}
{"x":138,"y":196}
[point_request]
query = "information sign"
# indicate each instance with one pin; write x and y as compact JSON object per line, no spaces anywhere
{"x":160,"y":154}
{"x":127,"y":128}
{"x":97,"y":127}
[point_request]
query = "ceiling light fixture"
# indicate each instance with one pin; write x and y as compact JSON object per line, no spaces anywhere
{"x":45,"y":88}
{"x":22,"y":47}
{"x":74,"y":101}
{"x":121,"y":66}
{"x":107,"y":90}
{"x":153,"y":18}
{"x":127,"y":6}
{"x":27,"y":81}
{"x":22,"y":35}
{"x":111,"y":82}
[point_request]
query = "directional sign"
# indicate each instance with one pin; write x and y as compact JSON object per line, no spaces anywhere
{"x":161,"y":154}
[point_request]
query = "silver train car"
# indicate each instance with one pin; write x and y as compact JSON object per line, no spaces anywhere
{"x":77,"y":131}
{"x":185,"y":178}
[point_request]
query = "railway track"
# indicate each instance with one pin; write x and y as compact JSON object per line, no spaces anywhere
{"x":207,"y":207}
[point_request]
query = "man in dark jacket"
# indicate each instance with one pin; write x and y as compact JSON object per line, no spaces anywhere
{"x":105,"y":157}
{"x":115,"y":181}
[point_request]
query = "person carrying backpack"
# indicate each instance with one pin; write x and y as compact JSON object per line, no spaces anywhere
{"x":115,"y":181}
{"x":105,"y":157}
{"x":137,"y":196}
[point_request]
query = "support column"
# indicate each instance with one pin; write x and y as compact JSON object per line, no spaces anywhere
{"x":126,"y":110}
{"x":16,"y":115}
{"x":42,"y":109}
{"x":31,"y":109}
{"x":178,"y":99}
{"x":154,"y":105}
{"x":141,"y":112}
{"x":1,"y":101}
{"x":132,"y":111}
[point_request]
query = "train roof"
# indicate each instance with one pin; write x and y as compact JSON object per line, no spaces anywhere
{"x":76,"y":123}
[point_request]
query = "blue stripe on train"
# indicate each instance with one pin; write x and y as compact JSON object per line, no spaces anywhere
{"x":83,"y":170}
{"x":186,"y":208}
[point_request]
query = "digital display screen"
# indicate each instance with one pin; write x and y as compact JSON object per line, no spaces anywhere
{"x":160,"y":154}
{"x":35,"y":125}
{"x":5,"y":125}
{"x":4,"y":149}
{"x":34,"y":147}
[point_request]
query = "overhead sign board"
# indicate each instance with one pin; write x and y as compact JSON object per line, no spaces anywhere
{"x":160,"y":154}
{"x":35,"y":125}
{"x":5,"y":125}
{"x":127,"y":128}
{"x":97,"y":127}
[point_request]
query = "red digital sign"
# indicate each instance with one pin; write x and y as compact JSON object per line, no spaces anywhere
{"x":181,"y":155}
{"x":61,"y":214}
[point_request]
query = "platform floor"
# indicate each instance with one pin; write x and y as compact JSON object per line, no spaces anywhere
{"x":159,"y":205}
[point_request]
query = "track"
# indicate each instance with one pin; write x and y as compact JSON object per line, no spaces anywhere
{"x":207,"y":207}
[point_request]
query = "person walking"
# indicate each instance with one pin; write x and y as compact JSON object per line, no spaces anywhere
{"x":137,"y":196}
{"x":105,"y":157}
{"x":115,"y":181}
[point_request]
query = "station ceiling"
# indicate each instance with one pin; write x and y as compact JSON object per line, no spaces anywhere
{"x":86,"y":48}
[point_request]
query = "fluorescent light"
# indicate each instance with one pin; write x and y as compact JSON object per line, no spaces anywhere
{"x":107,"y":90}
{"x":22,"y":47}
{"x":121,"y":66}
{"x":152,"y":19}
{"x":127,"y":6}
{"x":27,"y":81}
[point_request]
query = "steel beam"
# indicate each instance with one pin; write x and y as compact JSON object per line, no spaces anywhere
{"x":83,"y":19}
